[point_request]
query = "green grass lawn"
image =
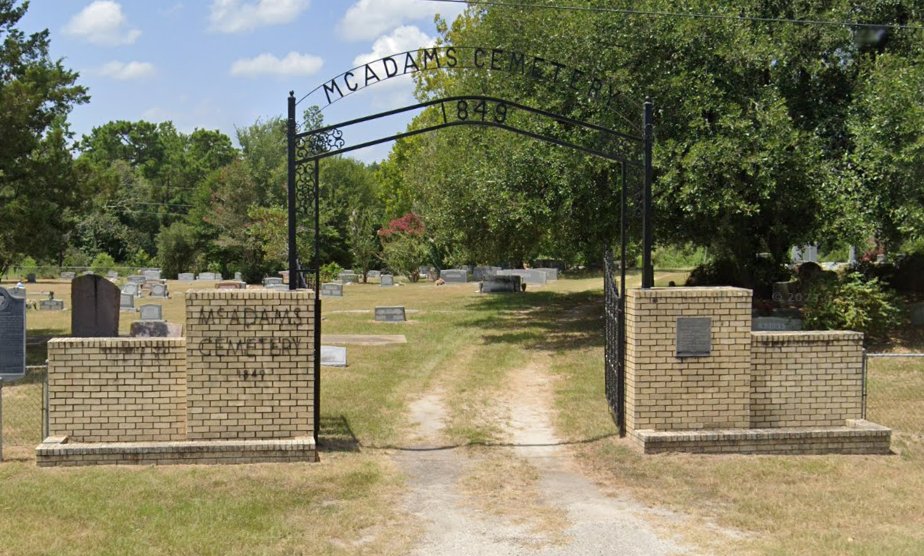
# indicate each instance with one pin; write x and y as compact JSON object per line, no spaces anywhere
{"x":463,"y":343}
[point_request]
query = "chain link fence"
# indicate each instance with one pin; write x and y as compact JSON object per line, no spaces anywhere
{"x":22,"y":414}
{"x":895,"y":392}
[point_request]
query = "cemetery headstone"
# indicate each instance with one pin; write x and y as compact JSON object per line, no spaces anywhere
{"x":238,"y":277}
{"x":158,"y":290}
{"x":776,"y":324}
{"x":112,"y":275}
{"x":279,"y":287}
{"x":12,"y":336}
{"x":94,"y":307}
{"x":126,"y":302}
{"x":386,"y":280}
{"x":454,"y":276}
{"x":917,"y":313}
{"x":151,"y":274}
{"x":348,"y":278}
{"x":186,"y":277}
{"x":30,"y":278}
{"x":373,"y":275}
{"x":390,"y":314}
{"x":230,"y":285}
{"x":333,"y":356}
{"x":130,"y":289}
{"x":501,"y":284}
{"x":136,"y":279}
{"x":67,"y":275}
{"x":151,"y":312}
{"x":51,"y":305}
{"x":272,"y":280}
{"x":332,"y":289}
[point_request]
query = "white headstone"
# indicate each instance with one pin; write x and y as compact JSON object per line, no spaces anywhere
{"x":333,"y":356}
{"x":387,"y":280}
{"x":126,"y":302}
{"x":186,"y":277}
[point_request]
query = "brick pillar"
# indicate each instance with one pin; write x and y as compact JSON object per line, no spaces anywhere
{"x":666,"y":392}
{"x":249,"y":364}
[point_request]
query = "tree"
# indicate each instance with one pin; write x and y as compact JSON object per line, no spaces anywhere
{"x":37,"y":188}
{"x":404,"y":246}
{"x":176,"y":248}
{"x":364,"y":246}
{"x":758,"y":144}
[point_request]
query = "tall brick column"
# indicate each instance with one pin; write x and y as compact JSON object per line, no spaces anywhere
{"x":249,"y":364}
{"x":668,"y":393}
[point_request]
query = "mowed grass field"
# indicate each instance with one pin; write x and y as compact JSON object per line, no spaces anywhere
{"x":465,"y":343}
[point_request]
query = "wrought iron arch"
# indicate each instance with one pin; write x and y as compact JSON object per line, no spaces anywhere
{"x":307,"y":148}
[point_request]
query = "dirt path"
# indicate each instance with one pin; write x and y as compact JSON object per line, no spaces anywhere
{"x":587,"y":521}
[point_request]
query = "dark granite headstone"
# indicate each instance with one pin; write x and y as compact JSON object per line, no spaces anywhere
{"x":94,"y":307}
{"x":390,"y":314}
{"x":501,"y":284}
{"x":30,"y":278}
{"x":12,"y":336}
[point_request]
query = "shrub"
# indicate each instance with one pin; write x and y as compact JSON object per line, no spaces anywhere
{"x":102,"y":263}
{"x":176,"y":248}
{"x":759,"y":275}
{"x":851,"y":303}
{"x":330,"y":272}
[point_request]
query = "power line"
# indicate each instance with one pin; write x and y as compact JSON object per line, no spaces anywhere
{"x":689,"y":15}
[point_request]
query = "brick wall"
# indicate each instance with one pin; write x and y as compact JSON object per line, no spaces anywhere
{"x":664,"y":392}
{"x":117,"y":389}
{"x":249,"y":364}
{"x":806,"y":379}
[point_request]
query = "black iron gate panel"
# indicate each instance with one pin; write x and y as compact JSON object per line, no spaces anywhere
{"x":615,"y":350}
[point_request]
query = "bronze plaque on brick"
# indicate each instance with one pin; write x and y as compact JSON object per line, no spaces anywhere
{"x":694,"y":336}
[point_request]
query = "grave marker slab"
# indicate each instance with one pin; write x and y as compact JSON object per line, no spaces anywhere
{"x":348,"y":278}
{"x":186,"y":277}
{"x":12,"y":336}
{"x":151,"y":274}
{"x":126,"y":302}
{"x":333,"y":356}
{"x":373,"y":274}
{"x":390,"y":314}
{"x":51,"y":305}
{"x":130,"y":289}
{"x":454,"y":276}
{"x":332,"y":289}
{"x":152,"y":312}
{"x":693,"y":336}
{"x":94,"y":307}
{"x":158,"y":290}
{"x":272,"y":280}
{"x":775,"y":324}
{"x":278,"y":287}
{"x":386,"y":280}
{"x":501,"y":284}
{"x":238,"y":277}
{"x":30,"y":278}
{"x":136,"y":279}
{"x":68,"y":275}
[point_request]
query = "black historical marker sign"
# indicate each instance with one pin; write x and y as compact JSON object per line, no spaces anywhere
{"x":694,"y":336}
{"x":12,"y":336}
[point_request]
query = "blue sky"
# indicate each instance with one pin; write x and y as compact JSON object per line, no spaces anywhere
{"x":217,"y":64}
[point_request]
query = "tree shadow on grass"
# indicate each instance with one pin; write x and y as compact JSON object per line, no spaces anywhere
{"x":543,"y":320}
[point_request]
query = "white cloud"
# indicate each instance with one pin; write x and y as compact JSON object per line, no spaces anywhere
{"x":367,"y":19}
{"x":404,"y":38}
{"x":266,"y":64}
{"x":125,"y":71}
{"x":103,"y":23}
{"x":235,"y":16}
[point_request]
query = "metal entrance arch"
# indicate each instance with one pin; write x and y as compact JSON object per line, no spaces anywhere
{"x":307,"y":148}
